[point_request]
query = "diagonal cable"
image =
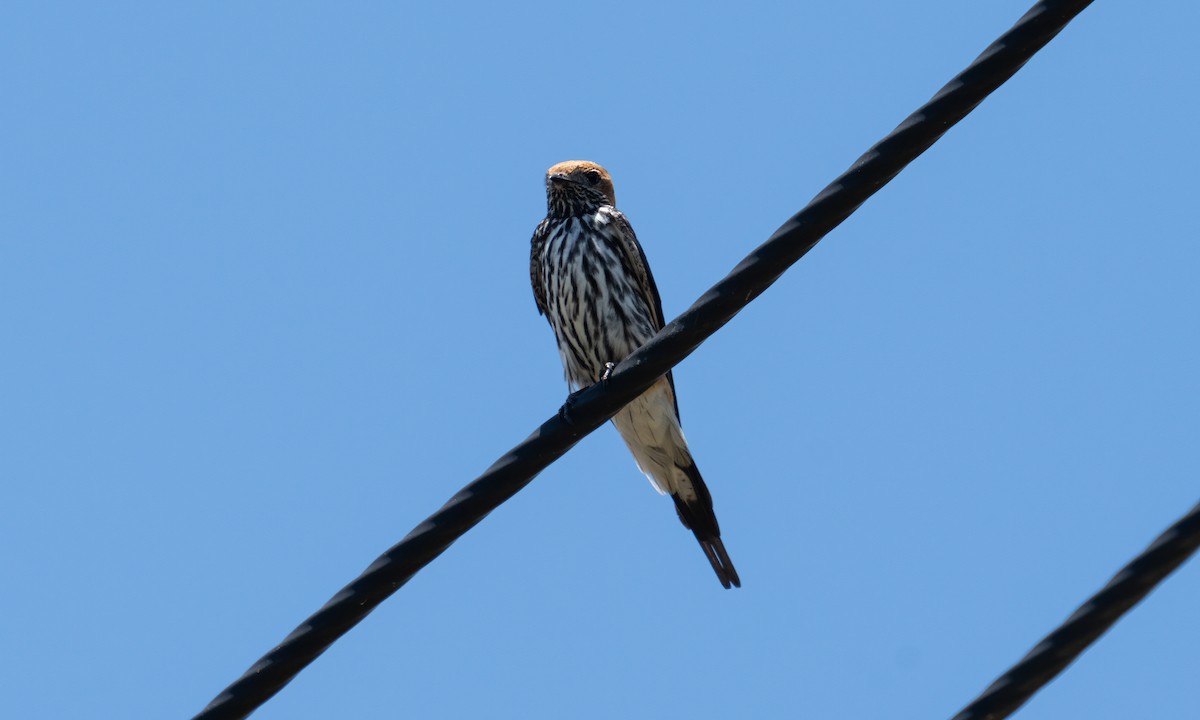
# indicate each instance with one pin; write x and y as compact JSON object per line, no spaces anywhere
{"x":676,"y":341}
{"x":1101,"y":611}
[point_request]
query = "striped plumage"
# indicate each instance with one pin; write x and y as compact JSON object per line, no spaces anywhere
{"x":591,"y":281}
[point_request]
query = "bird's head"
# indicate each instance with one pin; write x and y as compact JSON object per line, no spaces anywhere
{"x":575,"y":187}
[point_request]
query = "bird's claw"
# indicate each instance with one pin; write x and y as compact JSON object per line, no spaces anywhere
{"x":564,"y":412}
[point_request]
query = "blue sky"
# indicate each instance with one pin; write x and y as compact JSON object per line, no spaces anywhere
{"x":264,"y":295}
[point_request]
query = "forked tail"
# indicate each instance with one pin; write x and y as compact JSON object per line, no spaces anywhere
{"x":696,"y":514}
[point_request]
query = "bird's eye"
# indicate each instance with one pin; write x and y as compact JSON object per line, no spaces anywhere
{"x":593,"y":177}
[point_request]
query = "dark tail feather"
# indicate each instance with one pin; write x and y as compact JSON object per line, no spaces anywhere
{"x":697,"y":515}
{"x":714,"y":550}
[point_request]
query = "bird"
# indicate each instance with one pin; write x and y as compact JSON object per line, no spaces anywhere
{"x":592,"y":282}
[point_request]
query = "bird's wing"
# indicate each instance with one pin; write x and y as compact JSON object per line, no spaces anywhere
{"x":536,"y":247}
{"x":635,"y":259}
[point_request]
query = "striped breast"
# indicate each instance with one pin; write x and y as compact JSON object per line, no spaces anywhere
{"x":593,"y":303}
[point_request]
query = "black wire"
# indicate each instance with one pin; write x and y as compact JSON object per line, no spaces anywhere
{"x":636,"y":373}
{"x":1060,"y":648}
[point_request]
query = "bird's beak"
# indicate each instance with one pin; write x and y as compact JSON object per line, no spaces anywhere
{"x":559,"y":177}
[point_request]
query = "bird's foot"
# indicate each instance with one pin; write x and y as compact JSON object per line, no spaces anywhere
{"x":564,"y":412}
{"x":608,"y":368}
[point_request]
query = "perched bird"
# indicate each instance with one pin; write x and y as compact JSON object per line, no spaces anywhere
{"x":591,"y":281}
